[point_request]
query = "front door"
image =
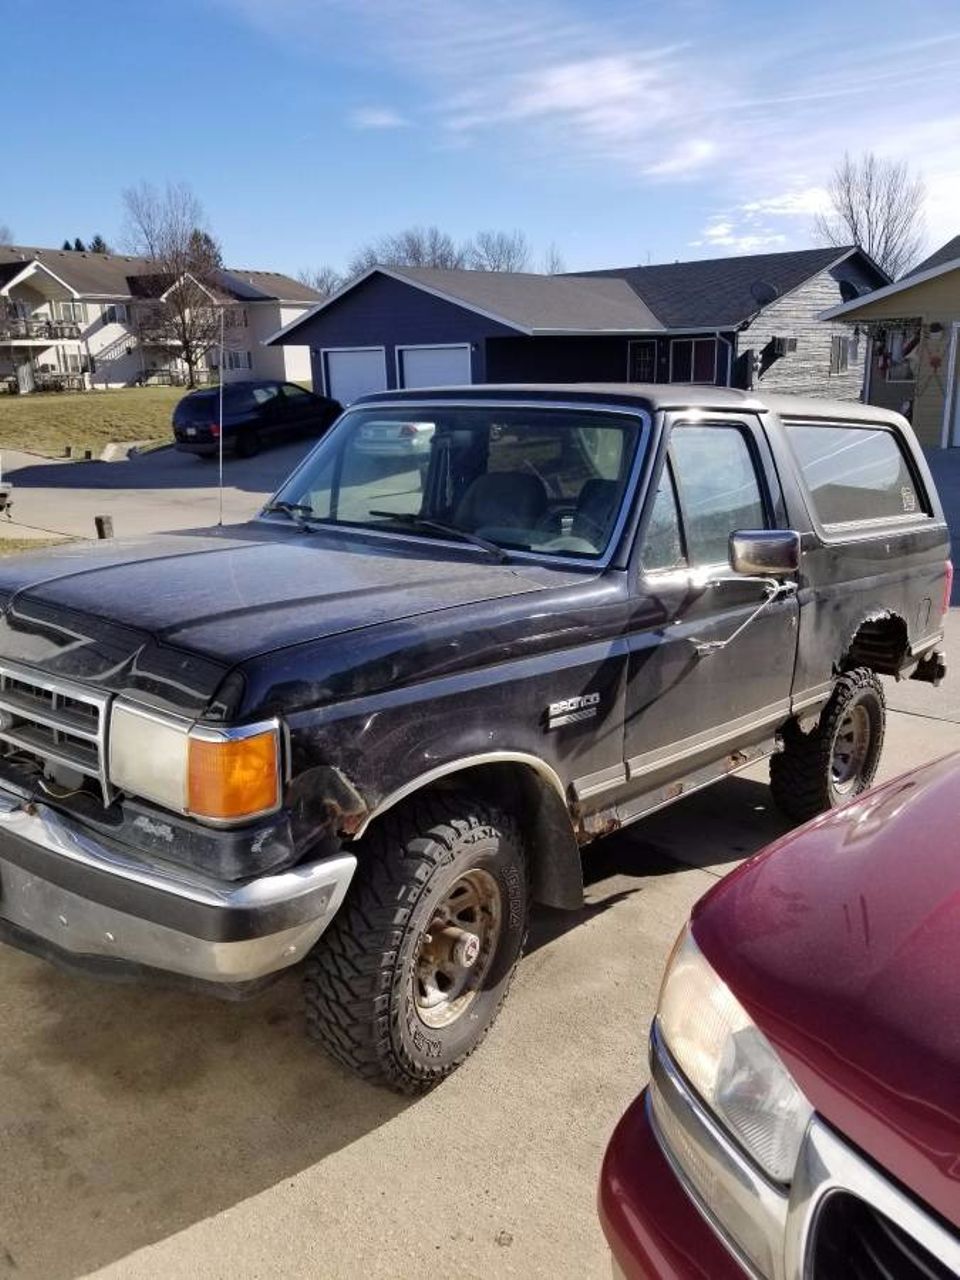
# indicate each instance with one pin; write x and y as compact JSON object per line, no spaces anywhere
{"x":699,"y":690}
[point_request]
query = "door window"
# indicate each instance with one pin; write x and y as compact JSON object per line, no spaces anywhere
{"x":643,"y":361}
{"x":663,"y":545}
{"x":718,"y":488}
{"x":296,"y":395}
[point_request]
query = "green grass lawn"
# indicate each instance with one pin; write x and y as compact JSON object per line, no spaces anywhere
{"x":46,"y":422}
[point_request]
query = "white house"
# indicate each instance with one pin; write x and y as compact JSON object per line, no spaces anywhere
{"x":70,"y":319}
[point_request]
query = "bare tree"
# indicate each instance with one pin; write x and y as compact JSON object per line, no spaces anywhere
{"x":6,"y":235}
{"x":412,"y":247}
{"x":326,"y":279}
{"x":879,"y":206}
{"x":182,"y":294}
{"x":499,"y":251}
{"x":553,"y":263}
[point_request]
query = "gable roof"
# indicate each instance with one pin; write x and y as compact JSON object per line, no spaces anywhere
{"x":708,"y":294}
{"x":938,"y":264}
{"x":118,"y":275}
{"x":536,"y":303}
{"x":949,"y":252}
{"x":716,"y":293}
{"x":532,"y":304}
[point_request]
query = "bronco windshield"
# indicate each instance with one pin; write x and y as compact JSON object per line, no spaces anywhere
{"x":537,"y":479}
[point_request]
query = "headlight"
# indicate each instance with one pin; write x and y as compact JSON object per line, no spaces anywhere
{"x":730,"y":1063}
{"x":221,"y":775}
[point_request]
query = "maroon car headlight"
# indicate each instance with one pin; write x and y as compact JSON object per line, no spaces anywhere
{"x":730,"y":1064}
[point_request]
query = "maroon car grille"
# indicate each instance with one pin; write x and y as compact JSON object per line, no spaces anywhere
{"x":854,"y":1241}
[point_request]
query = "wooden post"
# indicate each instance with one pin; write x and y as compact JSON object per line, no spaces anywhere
{"x":104,"y":526}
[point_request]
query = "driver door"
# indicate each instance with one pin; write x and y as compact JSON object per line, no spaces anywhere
{"x":699,"y":691}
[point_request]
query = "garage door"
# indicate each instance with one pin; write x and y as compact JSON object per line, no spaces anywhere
{"x":434,"y":366}
{"x":352,"y":372}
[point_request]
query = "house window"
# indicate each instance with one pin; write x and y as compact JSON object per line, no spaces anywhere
{"x":75,"y":311}
{"x":839,"y":354}
{"x":898,"y":355}
{"x":237,"y":360}
{"x":235,"y":317}
{"x":693,"y":360}
{"x":643,"y":362}
{"x":115,"y":313}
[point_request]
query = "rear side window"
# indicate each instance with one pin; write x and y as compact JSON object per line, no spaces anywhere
{"x":719,"y":489}
{"x":855,"y":473}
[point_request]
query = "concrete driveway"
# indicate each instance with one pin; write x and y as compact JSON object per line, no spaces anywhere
{"x":155,"y":1134}
{"x":155,"y":491}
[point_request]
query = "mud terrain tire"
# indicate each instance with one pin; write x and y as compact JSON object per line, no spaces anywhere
{"x":439,"y":877}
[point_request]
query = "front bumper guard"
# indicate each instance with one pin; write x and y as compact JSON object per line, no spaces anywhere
{"x":65,"y":894}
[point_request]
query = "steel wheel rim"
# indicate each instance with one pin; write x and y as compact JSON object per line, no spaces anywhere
{"x":851,"y":747}
{"x":456,"y":949}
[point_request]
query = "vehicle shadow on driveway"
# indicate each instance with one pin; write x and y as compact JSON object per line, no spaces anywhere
{"x":129,"y":1113}
{"x":712,"y":830}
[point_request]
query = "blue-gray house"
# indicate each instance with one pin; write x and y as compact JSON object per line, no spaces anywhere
{"x":740,"y":321}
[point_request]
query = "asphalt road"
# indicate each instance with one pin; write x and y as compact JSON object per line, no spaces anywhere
{"x":155,"y":1134}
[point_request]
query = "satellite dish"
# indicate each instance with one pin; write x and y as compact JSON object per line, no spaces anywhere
{"x":848,"y":290}
{"x":763,"y":293}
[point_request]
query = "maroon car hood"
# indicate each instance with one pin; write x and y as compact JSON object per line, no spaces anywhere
{"x":843,"y":943}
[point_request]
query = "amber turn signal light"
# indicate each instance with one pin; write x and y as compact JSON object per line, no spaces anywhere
{"x":230,"y":778}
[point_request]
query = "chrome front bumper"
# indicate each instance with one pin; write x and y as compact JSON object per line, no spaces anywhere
{"x":64,"y":894}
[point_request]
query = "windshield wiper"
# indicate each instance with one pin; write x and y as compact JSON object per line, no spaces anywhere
{"x":449,"y":530}
{"x":298,"y":512}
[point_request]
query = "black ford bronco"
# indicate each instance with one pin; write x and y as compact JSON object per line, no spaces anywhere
{"x":474,"y":630}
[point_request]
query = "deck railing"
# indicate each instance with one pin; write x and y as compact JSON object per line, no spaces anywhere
{"x":13,"y":327}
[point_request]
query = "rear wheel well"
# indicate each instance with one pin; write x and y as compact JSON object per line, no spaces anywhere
{"x":881,"y":644}
{"x":542,"y":815}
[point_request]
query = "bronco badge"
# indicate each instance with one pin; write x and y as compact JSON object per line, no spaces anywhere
{"x":570,"y":710}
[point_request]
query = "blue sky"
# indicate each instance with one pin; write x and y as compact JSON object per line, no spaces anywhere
{"x":617,"y":130}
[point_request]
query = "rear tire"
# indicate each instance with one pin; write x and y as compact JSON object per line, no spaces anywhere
{"x":410,"y":976}
{"x":837,"y":760}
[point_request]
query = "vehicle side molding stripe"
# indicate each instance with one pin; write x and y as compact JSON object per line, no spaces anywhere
{"x":546,"y":771}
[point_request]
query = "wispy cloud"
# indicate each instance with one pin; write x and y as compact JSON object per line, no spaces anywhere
{"x":377,"y":118}
{"x":724,"y":233}
{"x":560,"y":85}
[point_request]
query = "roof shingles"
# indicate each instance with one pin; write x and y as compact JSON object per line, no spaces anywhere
{"x":114,"y":275}
{"x":717,"y":293}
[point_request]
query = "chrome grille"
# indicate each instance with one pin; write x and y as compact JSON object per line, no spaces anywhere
{"x":55,"y":721}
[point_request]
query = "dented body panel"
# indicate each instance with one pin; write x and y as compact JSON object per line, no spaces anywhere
{"x":583,"y":695}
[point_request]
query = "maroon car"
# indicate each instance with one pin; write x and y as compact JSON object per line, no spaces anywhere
{"x":803,"y":1116}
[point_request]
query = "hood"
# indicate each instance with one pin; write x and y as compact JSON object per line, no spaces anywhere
{"x":182,"y":609}
{"x":842,"y":941}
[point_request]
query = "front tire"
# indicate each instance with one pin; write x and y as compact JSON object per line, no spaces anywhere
{"x":410,"y":976}
{"x":837,"y":760}
{"x":248,"y":443}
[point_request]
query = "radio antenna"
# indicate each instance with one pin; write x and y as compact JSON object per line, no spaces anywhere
{"x":220,"y":436}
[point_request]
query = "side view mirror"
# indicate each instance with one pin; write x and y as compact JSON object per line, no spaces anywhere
{"x":765,"y":553}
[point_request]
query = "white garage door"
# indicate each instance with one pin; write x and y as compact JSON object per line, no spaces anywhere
{"x":434,"y":366}
{"x":352,"y":372}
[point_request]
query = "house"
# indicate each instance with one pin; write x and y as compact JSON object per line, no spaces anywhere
{"x":740,"y":321}
{"x":79,"y":320}
{"x":913,"y":340}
